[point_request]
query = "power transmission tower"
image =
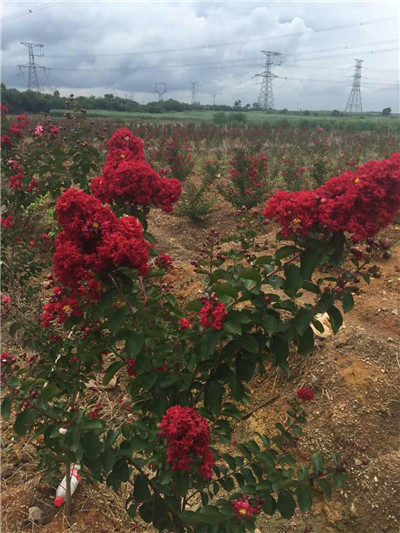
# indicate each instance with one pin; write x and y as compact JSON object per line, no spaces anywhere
{"x":194,"y":83}
{"x":33,"y":79}
{"x":266,"y":98}
{"x":354,"y":102}
{"x":160,"y":89}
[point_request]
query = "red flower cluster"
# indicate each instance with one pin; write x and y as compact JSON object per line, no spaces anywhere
{"x":94,"y":239}
{"x":185,"y":324}
{"x":127,"y":177}
{"x":15,"y":129}
{"x":179,"y":159}
{"x":4,"y":109}
{"x":212,"y":313}
{"x":164,"y":261}
{"x":61,"y":306}
{"x":7,"y":358}
{"x":245,"y":508}
{"x":305,"y":394}
{"x":188,"y":437}
{"x":248,"y":171}
{"x":7,"y":222}
{"x":360,"y":203}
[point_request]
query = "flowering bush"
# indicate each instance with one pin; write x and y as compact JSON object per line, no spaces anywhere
{"x":128,"y":179}
{"x":179,"y":159}
{"x":248,"y":180}
{"x":183,"y":369}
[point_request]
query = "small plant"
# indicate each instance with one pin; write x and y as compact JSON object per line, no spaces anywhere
{"x":248,"y":180}
{"x":194,"y":202}
{"x":179,"y":159}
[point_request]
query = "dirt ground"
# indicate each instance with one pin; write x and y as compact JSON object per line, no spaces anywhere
{"x":356,"y":412}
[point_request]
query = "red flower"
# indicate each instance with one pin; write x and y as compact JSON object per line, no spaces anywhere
{"x":164,"y":261}
{"x":6,"y":140}
{"x":245,"y":508}
{"x":360,"y":203}
{"x":4,"y":109}
{"x":94,"y":239}
{"x":128,"y":178}
{"x":188,"y":437}
{"x":212,"y":314}
{"x":7,"y":222}
{"x":185,"y":324}
{"x":305,"y":394}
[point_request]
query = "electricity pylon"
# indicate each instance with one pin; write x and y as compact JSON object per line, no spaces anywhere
{"x":33,"y":79}
{"x":354,"y":102}
{"x":266,"y":98}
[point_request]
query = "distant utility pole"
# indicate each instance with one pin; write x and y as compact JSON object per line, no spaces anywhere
{"x":194,"y":83}
{"x":160,"y":89}
{"x":266,"y":98}
{"x":214,"y":102}
{"x":354,"y":102}
{"x":33,"y":80}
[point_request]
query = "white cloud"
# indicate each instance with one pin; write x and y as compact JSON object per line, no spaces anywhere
{"x":104,"y":28}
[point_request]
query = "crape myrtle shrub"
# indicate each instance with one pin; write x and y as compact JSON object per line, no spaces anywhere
{"x":184,"y":370}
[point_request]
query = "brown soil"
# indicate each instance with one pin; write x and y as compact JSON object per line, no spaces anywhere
{"x":356,"y":412}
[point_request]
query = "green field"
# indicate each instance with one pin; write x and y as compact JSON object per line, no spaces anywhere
{"x":350,"y":123}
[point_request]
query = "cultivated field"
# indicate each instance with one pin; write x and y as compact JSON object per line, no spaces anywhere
{"x":220,"y":243}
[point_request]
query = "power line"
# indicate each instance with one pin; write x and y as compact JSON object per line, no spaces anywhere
{"x":231,"y":43}
{"x":30,"y":11}
{"x":200,"y":65}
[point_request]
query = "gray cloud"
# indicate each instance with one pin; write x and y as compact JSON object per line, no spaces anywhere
{"x":100,"y":29}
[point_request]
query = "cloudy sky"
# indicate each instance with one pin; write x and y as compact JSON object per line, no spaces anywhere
{"x":126,"y":47}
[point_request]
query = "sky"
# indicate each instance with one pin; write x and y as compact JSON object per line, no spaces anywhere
{"x":125,"y":48}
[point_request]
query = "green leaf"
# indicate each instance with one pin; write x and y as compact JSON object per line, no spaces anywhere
{"x":222,"y":289}
{"x":13,"y":329}
{"x":213,"y":394}
{"x":112,"y":370}
{"x":91,"y":425}
{"x":325,"y":302}
{"x":249,"y":343}
{"x":318,"y":463}
{"x":154,"y":273}
{"x":336,"y":318}
{"x":134,"y":344}
{"x":146,"y":512}
{"x":12,"y":382}
{"x":326,"y":487}
{"x":348,"y":301}
{"x":120,"y":470}
{"x":304,"y":498}
{"x":194,"y":305}
{"x":309,"y":260}
{"x":116,"y":320}
{"x":269,"y":506}
{"x":250,"y":273}
{"x":6,"y":408}
{"x":294,"y":279}
{"x":286,"y":504}
{"x":244,"y":368}
{"x":302,"y":320}
{"x":23,"y":420}
{"x":306,"y":342}
{"x":338,"y":480}
{"x":271,"y":322}
{"x":285,"y":251}
{"x":141,"y":490}
{"x":230,"y":326}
